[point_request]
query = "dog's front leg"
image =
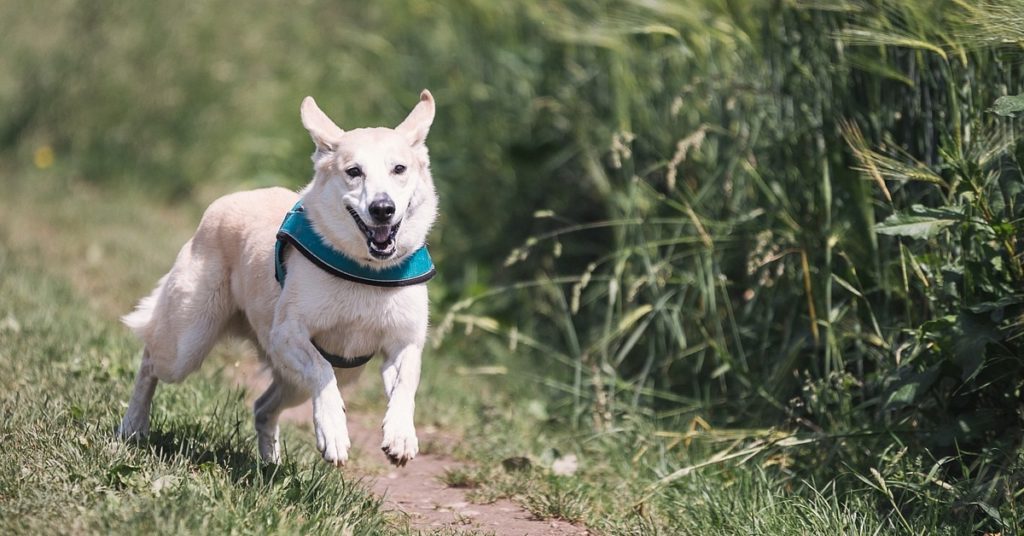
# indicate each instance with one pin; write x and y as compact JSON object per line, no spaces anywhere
{"x":401,"y":374}
{"x":300,"y":363}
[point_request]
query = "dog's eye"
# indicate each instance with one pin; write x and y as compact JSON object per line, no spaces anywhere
{"x":399,"y":169}
{"x":354,"y":172}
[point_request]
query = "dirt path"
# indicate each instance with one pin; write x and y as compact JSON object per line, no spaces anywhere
{"x":416,"y":490}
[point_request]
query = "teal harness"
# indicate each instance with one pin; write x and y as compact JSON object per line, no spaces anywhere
{"x":297,"y":231}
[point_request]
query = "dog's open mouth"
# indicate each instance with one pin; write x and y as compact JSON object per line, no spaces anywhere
{"x":380,"y":239}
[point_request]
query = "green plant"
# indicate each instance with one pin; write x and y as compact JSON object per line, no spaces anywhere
{"x":461,"y":477}
{"x":743,"y":275}
{"x":557,"y":498}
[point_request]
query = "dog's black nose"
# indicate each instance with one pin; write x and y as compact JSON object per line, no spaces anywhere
{"x":382,"y":209}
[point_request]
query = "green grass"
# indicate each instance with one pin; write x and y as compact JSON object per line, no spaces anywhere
{"x":629,"y":481}
{"x":66,"y":378}
{"x":69,"y":368}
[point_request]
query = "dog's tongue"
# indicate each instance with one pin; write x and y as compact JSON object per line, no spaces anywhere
{"x":381,"y":234}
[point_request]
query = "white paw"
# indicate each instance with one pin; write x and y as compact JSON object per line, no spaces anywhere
{"x":331,"y":432}
{"x":400,"y":443}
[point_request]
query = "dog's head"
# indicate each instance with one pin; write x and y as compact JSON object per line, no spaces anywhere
{"x":372,"y":196}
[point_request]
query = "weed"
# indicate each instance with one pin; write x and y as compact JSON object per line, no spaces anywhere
{"x":557,"y":499}
{"x":461,"y":477}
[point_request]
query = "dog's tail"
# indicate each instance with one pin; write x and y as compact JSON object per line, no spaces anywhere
{"x":138,"y":320}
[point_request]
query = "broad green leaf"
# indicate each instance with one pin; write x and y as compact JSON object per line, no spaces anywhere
{"x":992,"y":511}
{"x":970,"y":350}
{"x":1005,"y":301}
{"x":912,"y":226}
{"x":914,"y":386}
{"x":946,"y":213}
{"x":904,"y":396}
{"x":1009,"y":106}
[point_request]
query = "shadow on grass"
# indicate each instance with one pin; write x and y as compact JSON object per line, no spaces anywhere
{"x":219,"y":443}
{"x":220,"y":446}
{"x":215,"y":442}
{"x":206,"y":452}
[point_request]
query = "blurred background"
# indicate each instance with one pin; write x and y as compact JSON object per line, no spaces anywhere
{"x":674,"y":227}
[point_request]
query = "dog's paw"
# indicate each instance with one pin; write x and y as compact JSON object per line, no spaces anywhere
{"x":270,"y":450}
{"x":400,"y":443}
{"x":332,"y":435}
{"x":334,"y":449}
{"x":130,"y":431}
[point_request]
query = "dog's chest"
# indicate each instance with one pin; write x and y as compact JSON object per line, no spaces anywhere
{"x":352,"y":319}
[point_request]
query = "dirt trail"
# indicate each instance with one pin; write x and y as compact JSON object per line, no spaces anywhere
{"x":416,"y":490}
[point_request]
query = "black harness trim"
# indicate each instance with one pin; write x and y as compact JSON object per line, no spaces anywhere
{"x":338,"y":361}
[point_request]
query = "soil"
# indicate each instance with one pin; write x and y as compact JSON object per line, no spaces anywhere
{"x":416,"y":491}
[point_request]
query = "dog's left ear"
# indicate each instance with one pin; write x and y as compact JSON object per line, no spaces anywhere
{"x":417,"y":124}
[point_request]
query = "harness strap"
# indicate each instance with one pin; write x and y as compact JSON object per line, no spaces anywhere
{"x":338,"y":361}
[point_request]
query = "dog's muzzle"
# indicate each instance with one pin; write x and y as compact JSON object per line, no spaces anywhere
{"x":380,"y":239}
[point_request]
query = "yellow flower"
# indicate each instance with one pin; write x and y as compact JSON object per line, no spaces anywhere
{"x":43,"y":157}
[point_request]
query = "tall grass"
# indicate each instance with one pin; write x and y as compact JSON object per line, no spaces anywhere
{"x":813,"y":222}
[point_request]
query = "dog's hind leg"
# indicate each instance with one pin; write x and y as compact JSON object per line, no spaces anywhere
{"x":179,"y":323}
{"x":135,"y":424}
{"x":190,"y":316}
{"x":267,"y":409}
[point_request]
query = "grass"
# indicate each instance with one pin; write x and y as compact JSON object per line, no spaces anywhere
{"x":65,"y":356}
{"x":460,"y":477}
{"x":63,"y":390}
{"x":621,"y":485}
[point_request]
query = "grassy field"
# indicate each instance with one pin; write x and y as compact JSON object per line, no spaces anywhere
{"x":67,"y":366}
{"x":70,"y":366}
{"x":758,"y":266}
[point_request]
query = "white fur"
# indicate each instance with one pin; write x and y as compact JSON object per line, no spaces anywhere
{"x":223,"y":282}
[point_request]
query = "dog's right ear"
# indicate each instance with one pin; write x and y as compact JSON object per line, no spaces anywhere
{"x":324,"y":132}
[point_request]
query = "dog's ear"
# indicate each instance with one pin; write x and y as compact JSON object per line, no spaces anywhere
{"x":324,"y":132}
{"x":417,"y":124}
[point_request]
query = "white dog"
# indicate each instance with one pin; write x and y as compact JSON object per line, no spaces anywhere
{"x":358,"y":292}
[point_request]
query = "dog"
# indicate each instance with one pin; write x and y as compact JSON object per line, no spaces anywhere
{"x":372,"y":203}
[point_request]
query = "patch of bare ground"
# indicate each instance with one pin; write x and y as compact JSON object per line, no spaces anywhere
{"x":415,"y":491}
